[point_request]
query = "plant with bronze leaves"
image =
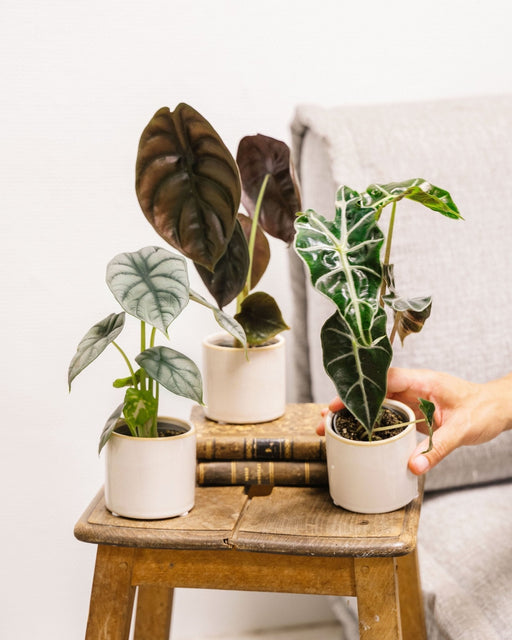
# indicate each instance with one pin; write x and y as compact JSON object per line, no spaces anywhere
{"x":189,"y":187}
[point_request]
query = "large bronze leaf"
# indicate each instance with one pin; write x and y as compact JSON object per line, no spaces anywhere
{"x":260,"y":318}
{"x":258,"y":156}
{"x":230,"y":273}
{"x":188,"y":184}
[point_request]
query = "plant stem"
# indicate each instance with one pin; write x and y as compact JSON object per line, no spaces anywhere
{"x":387,"y":254}
{"x":398,"y":316}
{"x":142,"y":348}
{"x":397,"y":426}
{"x":125,"y":358}
{"x":154,"y":428}
{"x":252,"y":241}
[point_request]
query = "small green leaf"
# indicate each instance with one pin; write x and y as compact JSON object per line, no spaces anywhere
{"x":224,"y":320}
{"x":417,"y":189}
{"x":261,"y":318}
{"x":140,"y":409}
{"x":173,"y":370}
{"x":109,"y":427}
{"x":120,"y":383}
{"x":95,"y":341}
{"x":428,"y":408}
{"x":150,"y":284}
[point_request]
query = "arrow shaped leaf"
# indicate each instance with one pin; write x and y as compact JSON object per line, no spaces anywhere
{"x":261,"y":318}
{"x":358,"y":369}
{"x":95,"y":341}
{"x":224,"y":320}
{"x":417,"y":189}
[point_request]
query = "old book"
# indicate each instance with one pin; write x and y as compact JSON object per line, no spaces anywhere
{"x":291,"y":437}
{"x":250,"y":472}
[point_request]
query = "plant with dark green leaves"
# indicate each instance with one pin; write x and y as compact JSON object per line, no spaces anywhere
{"x":151,"y":285}
{"x":189,"y":187}
{"x":344,"y":259}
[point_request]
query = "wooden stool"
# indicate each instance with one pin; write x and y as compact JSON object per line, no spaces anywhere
{"x":293,"y":540}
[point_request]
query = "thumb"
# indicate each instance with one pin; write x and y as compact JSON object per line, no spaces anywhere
{"x":443,"y":444}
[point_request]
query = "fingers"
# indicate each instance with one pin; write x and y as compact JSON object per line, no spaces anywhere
{"x":443,"y":444}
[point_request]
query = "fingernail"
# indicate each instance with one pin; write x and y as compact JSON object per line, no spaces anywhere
{"x":421,"y":464}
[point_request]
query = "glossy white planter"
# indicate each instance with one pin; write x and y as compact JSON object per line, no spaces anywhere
{"x":372,"y":477}
{"x":240,"y":390}
{"x":150,"y":478}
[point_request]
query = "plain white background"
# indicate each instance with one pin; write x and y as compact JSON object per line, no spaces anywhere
{"x":79,"y":81}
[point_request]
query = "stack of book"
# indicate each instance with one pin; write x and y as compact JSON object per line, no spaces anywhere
{"x":282,"y":452}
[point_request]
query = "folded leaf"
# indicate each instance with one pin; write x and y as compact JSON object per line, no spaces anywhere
{"x":224,"y":320}
{"x":174,"y":371}
{"x":150,"y":284}
{"x":256,"y":157}
{"x":188,"y":184}
{"x":358,"y":368}
{"x":109,"y":427}
{"x":261,"y":318}
{"x":140,"y":409}
{"x":95,"y":341}
{"x":417,"y":189}
{"x":428,"y":408}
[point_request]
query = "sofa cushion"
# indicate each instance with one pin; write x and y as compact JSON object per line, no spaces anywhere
{"x":464,"y":146}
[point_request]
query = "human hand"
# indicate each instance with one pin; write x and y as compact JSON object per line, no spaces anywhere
{"x":466,"y":413}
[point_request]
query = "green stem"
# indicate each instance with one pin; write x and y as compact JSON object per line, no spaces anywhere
{"x":252,"y":241}
{"x":397,"y":426}
{"x":125,"y":358}
{"x":387,"y":254}
{"x":154,"y":429}
{"x":142,"y":348}
{"x":398,"y":316}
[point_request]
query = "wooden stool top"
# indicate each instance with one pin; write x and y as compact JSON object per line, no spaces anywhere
{"x":290,"y":520}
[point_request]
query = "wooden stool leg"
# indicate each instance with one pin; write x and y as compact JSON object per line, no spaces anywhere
{"x":411,"y":598}
{"x":154,"y":610}
{"x":377,"y":598}
{"x":110,"y":609}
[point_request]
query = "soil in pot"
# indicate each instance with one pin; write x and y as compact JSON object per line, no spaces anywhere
{"x":165,"y":430}
{"x":346,"y":426}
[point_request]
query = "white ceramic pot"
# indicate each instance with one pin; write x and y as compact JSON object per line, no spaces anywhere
{"x":241,"y":390}
{"x":150,"y":478}
{"x":372,"y":477}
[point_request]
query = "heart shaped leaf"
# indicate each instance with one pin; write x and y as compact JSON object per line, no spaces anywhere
{"x":256,"y":157}
{"x":261,"y":254}
{"x":95,"y":341}
{"x":188,"y":184}
{"x":261,"y":318}
{"x":224,"y":320}
{"x":417,"y":189}
{"x":230,"y":273}
{"x":174,"y":371}
{"x":358,"y":368}
{"x":110,"y":425}
{"x":150,"y":284}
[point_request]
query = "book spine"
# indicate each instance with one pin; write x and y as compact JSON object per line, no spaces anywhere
{"x":244,"y":472}
{"x":247,"y":448}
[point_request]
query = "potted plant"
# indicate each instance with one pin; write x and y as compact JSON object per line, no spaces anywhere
{"x":189,"y":187}
{"x":344,"y":259}
{"x":150,"y":460}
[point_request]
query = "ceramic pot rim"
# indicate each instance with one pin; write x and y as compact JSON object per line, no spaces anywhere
{"x":209,"y":342}
{"x":190,"y":430}
{"x":378,"y":443}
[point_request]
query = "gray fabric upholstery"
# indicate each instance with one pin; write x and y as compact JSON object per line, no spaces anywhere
{"x":465,"y":146}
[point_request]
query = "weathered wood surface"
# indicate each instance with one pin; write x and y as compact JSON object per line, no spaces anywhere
{"x":208,"y":525}
{"x":292,"y":520}
{"x":411,"y":598}
{"x":154,"y":611}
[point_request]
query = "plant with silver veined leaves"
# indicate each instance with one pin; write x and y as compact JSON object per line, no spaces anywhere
{"x":151,"y":285}
{"x":344,"y":259}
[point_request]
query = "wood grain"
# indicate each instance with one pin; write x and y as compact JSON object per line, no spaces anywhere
{"x":154,"y":611}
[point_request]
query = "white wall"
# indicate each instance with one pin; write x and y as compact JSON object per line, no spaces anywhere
{"x":79,"y":81}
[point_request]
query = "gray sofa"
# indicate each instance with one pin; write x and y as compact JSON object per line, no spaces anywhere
{"x":464,"y":146}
